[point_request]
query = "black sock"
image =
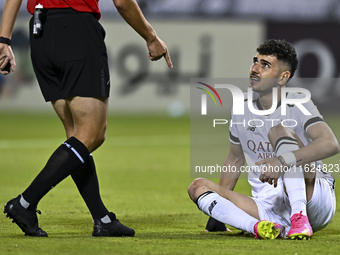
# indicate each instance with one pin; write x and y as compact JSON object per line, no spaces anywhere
{"x":215,"y":225}
{"x":68,"y":157}
{"x":85,"y":177}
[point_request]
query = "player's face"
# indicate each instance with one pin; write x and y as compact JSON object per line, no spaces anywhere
{"x":264,"y":73}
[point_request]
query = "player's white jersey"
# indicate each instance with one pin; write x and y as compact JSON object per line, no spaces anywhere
{"x":251,"y":132}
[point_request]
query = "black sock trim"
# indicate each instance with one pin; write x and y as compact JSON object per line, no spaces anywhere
{"x":293,"y":141}
{"x":203,"y":195}
{"x":78,"y":148}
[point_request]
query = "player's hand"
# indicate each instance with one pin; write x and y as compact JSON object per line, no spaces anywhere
{"x":271,"y":171}
{"x":6,"y":55}
{"x":157,"y":49}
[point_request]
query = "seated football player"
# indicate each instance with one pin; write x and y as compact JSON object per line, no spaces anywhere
{"x":294,"y":200}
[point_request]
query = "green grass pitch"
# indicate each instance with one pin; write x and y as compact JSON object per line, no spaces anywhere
{"x":143,"y":170}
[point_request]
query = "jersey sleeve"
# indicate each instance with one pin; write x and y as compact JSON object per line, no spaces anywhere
{"x":309,"y":120}
{"x":233,"y":135}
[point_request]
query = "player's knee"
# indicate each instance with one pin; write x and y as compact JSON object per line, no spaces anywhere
{"x":194,"y":187}
{"x":94,"y":140}
{"x":278,"y":131}
{"x":99,"y":139}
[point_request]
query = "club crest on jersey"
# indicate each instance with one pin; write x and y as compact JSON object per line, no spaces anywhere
{"x":251,"y":127}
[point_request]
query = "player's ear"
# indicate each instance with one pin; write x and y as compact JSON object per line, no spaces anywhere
{"x":284,"y":78}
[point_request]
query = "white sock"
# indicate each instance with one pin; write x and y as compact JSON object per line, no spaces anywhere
{"x":296,"y":189}
{"x":293,"y":180}
{"x":225,"y":211}
{"x":23,"y":202}
{"x":106,"y":219}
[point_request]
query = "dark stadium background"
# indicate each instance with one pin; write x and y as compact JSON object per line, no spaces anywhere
{"x":144,"y":165}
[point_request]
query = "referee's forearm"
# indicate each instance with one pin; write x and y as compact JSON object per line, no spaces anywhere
{"x":9,"y":16}
{"x":132,"y":14}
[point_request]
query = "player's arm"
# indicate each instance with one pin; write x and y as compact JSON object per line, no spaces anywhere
{"x":9,"y":16}
{"x":324,"y":145}
{"x":132,"y":14}
{"x":235,"y":158}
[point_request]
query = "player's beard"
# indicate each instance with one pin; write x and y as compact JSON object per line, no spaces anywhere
{"x":264,"y":86}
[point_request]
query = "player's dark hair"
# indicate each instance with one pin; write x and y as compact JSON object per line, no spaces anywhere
{"x":282,"y":50}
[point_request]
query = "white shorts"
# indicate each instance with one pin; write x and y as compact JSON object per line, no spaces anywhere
{"x":320,"y":209}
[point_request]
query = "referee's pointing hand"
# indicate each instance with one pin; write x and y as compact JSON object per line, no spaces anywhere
{"x":157,"y":50}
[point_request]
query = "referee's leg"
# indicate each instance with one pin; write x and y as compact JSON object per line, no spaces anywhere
{"x":85,"y":118}
{"x":63,"y":111}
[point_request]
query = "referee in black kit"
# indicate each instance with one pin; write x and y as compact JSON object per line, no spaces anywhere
{"x":70,"y":62}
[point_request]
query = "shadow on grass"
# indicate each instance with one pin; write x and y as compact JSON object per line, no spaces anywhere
{"x":148,"y":227}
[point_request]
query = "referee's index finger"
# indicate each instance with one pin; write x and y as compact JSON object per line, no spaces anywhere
{"x":168,"y":59}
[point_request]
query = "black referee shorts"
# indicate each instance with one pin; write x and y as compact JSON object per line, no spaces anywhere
{"x":70,"y":57}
